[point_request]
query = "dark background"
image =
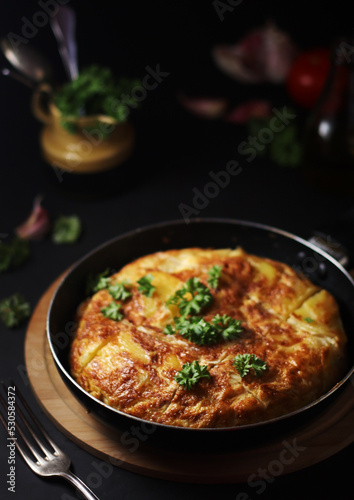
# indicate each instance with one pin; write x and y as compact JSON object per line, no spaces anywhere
{"x":175,"y":151}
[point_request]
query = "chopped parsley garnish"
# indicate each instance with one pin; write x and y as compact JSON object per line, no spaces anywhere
{"x":98,"y":281}
{"x":229,"y":328}
{"x":13,"y":254}
{"x":119,"y":292}
{"x":309,"y":320}
{"x":192,"y":297}
{"x":66,"y":229}
{"x":101,"y":281}
{"x":14,"y":310}
{"x":145,"y":285}
{"x":245,"y":362}
{"x":112,"y":311}
{"x":195,"y":329}
{"x":191,"y":373}
{"x":200,"y":332}
{"x":214,"y":276}
{"x":169,"y":330}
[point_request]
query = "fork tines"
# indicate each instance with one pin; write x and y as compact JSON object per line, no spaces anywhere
{"x":38,"y":450}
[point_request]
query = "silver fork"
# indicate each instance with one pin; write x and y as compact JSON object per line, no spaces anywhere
{"x":47,"y":459}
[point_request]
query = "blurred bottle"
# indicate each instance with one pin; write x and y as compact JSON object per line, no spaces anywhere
{"x":328,"y":154}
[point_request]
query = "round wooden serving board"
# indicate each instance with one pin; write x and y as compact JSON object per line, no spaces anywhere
{"x":323,"y":436}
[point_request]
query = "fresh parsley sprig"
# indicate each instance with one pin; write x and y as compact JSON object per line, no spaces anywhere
{"x":14,"y":310}
{"x":66,"y":229}
{"x":214,"y":275}
{"x":200,"y":332}
{"x":145,"y":285}
{"x":191,"y":298}
{"x":96,"y":91}
{"x":245,"y":362}
{"x":285,"y":150}
{"x":102,"y":281}
{"x":119,"y":291}
{"x":97,"y":282}
{"x":112,"y":311}
{"x":13,"y":254}
{"x":195,"y":329}
{"x":191,"y":373}
{"x":229,"y":328}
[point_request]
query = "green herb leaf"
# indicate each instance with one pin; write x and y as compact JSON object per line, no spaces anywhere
{"x":5,"y":257}
{"x":119,"y":291}
{"x":95,"y":92}
{"x":229,"y":328}
{"x":96,"y":282}
{"x":192,"y":297}
{"x":191,"y":373}
{"x":197,"y":330}
{"x":13,"y":254}
{"x":285,"y":149}
{"x":145,"y":285}
{"x":214,"y":276}
{"x":245,"y":362}
{"x":66,"y":229}
{"x":14,"y":310}
{"x":112,"y":311}
{"x":20,"y":251}
{"x":169,"y":330}
{"x":309,"y":320}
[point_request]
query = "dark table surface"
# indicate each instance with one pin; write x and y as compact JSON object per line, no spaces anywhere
{"x":174,"y":155}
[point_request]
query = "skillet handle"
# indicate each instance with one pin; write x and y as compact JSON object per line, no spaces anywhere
{"x":331,"y":246}
{"x":337,"y":239}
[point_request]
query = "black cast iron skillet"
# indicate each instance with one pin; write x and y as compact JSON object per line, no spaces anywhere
{"x":255,"y":238}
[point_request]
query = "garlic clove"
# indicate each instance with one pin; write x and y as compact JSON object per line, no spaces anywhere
{"x":37,"y":225}
{"x":205,"y":107}
{"x":255,"y":108}
{"x":280,"y":52}
{"x":263,"y":55}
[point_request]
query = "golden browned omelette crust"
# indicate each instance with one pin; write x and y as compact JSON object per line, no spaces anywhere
{"x":289,"y":323}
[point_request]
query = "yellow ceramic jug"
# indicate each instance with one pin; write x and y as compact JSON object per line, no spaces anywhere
{"x":93,"y":144}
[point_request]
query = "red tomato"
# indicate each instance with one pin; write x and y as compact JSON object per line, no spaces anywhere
{"x":307,"y":76}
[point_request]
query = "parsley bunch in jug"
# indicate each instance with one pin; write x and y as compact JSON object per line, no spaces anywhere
{"x":96,"y":92}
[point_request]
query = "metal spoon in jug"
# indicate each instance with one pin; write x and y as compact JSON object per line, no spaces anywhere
{"x":27,"y":60}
